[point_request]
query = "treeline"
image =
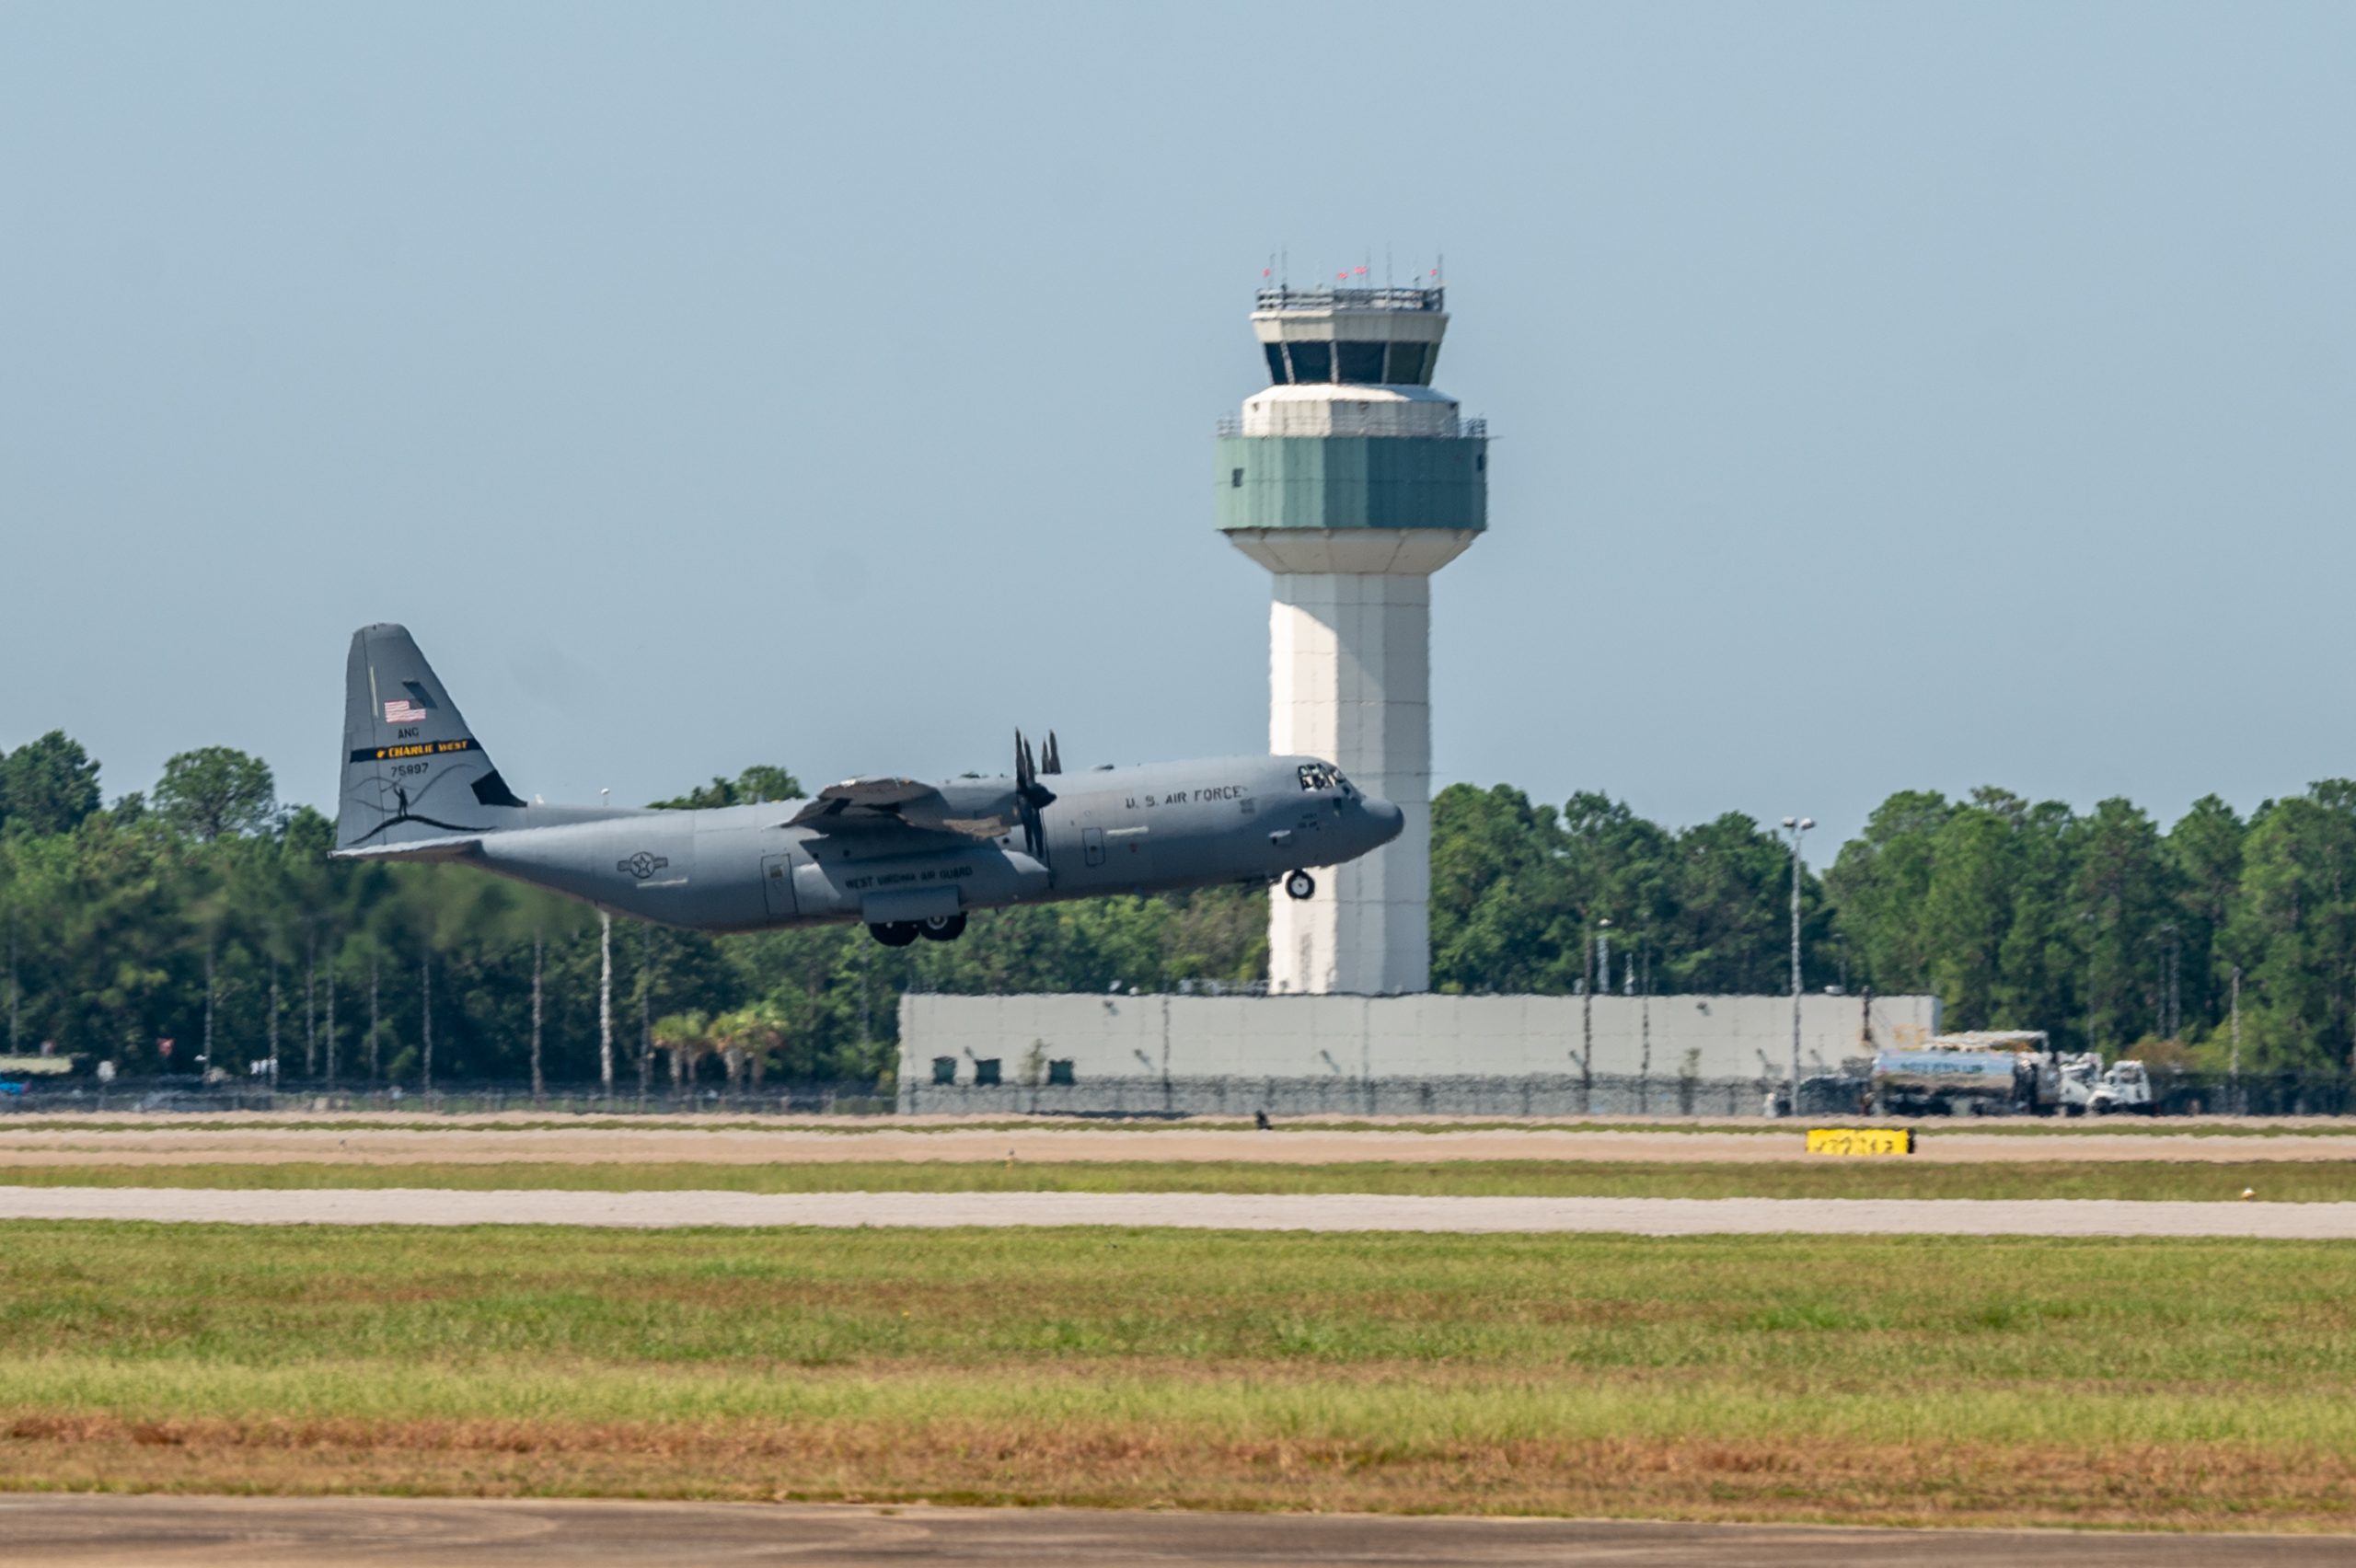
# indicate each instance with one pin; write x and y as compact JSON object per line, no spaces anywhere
{"x":2102,"y":928}
{"x":201,"y":925}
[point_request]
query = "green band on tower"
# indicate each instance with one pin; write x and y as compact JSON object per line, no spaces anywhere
{"x":1338,"y":481}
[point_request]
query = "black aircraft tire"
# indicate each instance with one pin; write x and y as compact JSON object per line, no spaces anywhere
{"x":1300,"y":885}
{"x":943,"y":928}
{"x":894,"y":933}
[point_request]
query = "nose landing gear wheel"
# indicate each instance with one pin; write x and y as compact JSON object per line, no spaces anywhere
{"x":943,"y":928}
{"x":1300,"y":885}
{"x":894,"y":933}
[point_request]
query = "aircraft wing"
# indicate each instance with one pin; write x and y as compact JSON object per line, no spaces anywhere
{"x":881,"y":794}
{"x":869,"y":804}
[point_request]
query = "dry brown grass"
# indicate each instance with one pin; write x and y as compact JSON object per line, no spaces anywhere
{"x":2208,"y":1384}
{"x":1967,"y":1483}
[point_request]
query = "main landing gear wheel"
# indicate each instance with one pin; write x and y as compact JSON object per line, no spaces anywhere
{"x":894,"y":933}
{"x":1300,"y":885}
{"x":943,"y":928}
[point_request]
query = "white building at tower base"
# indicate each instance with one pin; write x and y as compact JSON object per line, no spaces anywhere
{"x":1381,"y":1056}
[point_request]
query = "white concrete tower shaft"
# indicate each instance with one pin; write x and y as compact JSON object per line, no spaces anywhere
{"x":1352,"y":481}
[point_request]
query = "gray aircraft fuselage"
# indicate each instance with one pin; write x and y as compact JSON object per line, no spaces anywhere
{"x":1114,"y":830}
{"x":905,"y":857}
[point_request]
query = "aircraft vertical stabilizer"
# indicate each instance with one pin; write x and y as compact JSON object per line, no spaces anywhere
{"x":413,"y":771}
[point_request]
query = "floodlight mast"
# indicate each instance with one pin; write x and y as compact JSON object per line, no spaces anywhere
{"x":1796,"y":826}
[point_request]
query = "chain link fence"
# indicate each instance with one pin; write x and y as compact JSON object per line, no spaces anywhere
{"x":1541,"y":1095}
{"x":1555,"y":1096}
{"x":2251,"y":1094}
{"x":1552,"y":1096}
{"x":191,"y":1095}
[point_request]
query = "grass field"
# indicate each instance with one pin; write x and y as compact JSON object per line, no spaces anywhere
{"x":2191,"y":1383}
{"x":2273,"y":1181}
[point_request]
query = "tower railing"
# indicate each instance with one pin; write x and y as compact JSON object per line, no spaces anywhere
{"x":1352,"y":299}
{"x":1466,"y":430}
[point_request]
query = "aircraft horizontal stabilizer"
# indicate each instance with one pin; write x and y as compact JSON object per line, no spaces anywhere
{"x":416,"y":849}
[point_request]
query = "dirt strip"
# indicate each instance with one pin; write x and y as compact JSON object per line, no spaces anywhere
{"x":256,"y":1144}
{"x":1197,"y":1211}
{"x":259,"y":1532}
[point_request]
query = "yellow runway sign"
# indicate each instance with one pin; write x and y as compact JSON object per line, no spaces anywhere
{"x":1861,"y":1140}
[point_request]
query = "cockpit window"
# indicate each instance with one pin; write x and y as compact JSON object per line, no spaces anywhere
{"x":1315,"y":776}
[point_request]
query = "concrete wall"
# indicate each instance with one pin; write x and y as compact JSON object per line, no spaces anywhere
{"x":1486,"y":1051}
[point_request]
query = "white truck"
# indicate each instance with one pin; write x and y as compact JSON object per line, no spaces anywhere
{"x":2089,"y":1089}
{"x":2126,"y":1087}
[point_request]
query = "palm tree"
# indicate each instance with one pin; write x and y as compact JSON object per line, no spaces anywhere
{"x":745,"y":1037}
{"x":686,"y":1036}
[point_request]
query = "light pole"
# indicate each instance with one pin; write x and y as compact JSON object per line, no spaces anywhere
{"x":2088,"y":918}
{"x":605,"y":1003}
{"x":605,"y":990}
{"x":1587,"y":1030}
{"x":2234,"y":1068}
{"x":2168,"y":1025}
{"x":1796,"y":826}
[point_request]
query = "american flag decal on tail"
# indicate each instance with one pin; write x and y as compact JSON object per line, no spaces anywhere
{"x":403,"y":711}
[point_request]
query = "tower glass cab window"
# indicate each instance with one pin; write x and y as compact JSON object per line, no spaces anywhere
{"x":1357,"y":353}
{"x":1352,"y":481}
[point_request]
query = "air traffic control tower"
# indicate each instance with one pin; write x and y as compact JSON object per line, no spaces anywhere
{"x":1352,"y":481}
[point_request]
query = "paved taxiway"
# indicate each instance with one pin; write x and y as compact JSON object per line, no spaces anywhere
{"x":1199,"y":1211}
{"x":259,"y":1532}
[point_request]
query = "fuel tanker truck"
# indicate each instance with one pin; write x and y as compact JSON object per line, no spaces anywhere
{"x":2011,"y":1072}
{"x":2007,"y":1073}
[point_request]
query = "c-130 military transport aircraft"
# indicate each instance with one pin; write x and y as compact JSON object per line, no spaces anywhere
{"x":906,"y":858}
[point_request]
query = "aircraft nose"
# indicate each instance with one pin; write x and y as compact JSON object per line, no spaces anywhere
{"x":1388,"y":819}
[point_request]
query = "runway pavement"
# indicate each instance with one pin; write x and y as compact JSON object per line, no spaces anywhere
{"x":1201,"y":1211}
{"x":257,"y":1532}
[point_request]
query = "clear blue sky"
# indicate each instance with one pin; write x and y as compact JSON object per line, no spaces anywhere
{"x":1888,"y":395}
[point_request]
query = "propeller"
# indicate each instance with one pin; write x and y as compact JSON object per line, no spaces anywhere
{"x":1031,"y":797}
{"x":1051,"y":760}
